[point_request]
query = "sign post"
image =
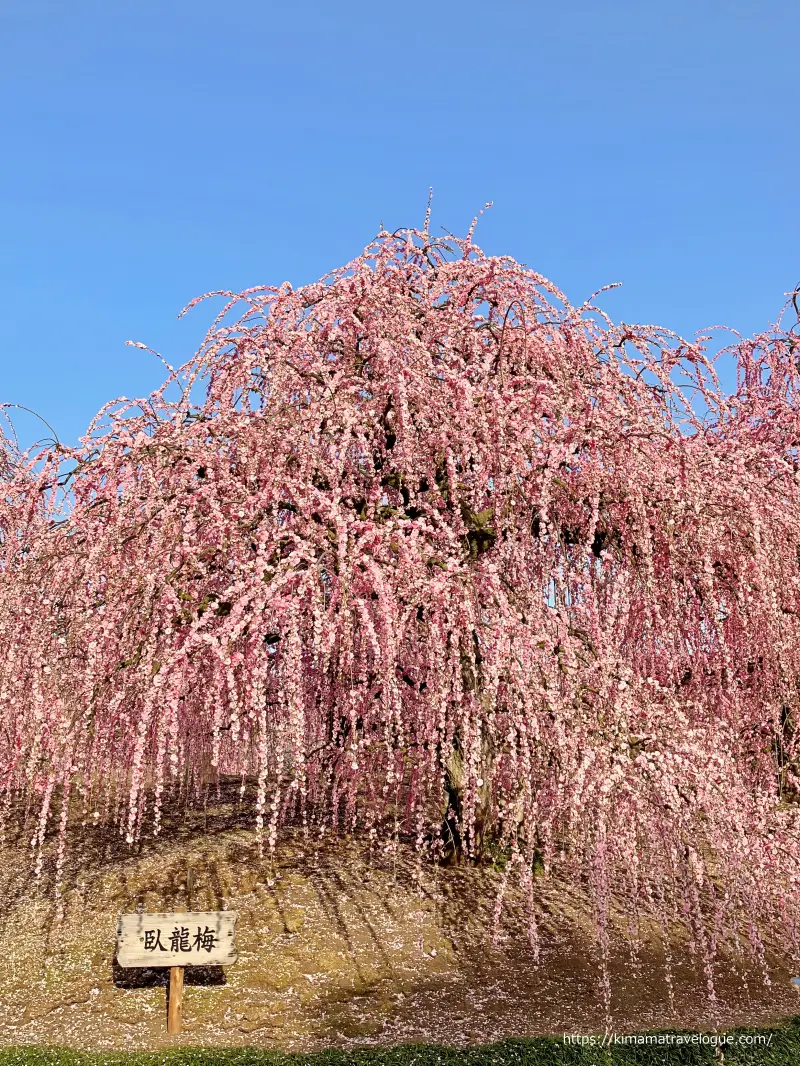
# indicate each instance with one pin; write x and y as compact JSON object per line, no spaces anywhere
{"x":175,"y":1002}
{"x":175,"y":991}
{"x":175,"y":940}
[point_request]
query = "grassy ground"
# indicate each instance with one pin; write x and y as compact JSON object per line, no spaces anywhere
{"x":745,"y":1047}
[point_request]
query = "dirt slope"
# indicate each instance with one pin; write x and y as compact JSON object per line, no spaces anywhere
{"x":337,"y":947}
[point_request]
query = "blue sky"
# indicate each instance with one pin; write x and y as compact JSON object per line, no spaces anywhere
{"x":157,"y":149}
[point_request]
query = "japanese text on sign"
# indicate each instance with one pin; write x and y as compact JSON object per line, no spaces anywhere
{"x":190,"y":939}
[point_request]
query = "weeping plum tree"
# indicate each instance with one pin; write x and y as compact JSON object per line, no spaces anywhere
{"x":424,"y":551}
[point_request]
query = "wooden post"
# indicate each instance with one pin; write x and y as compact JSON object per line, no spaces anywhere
{"x":175,"y":1001}
{"x":175,"y":996}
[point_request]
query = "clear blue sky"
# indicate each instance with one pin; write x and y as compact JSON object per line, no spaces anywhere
{"x":155,"y":149}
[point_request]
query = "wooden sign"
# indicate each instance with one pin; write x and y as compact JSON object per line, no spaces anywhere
{"x":191,"y":938}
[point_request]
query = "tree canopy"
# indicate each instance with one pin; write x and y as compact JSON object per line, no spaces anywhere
{"x":425,"y":551}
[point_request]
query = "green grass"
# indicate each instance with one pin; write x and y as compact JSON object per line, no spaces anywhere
{"x":775,"y":1047}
